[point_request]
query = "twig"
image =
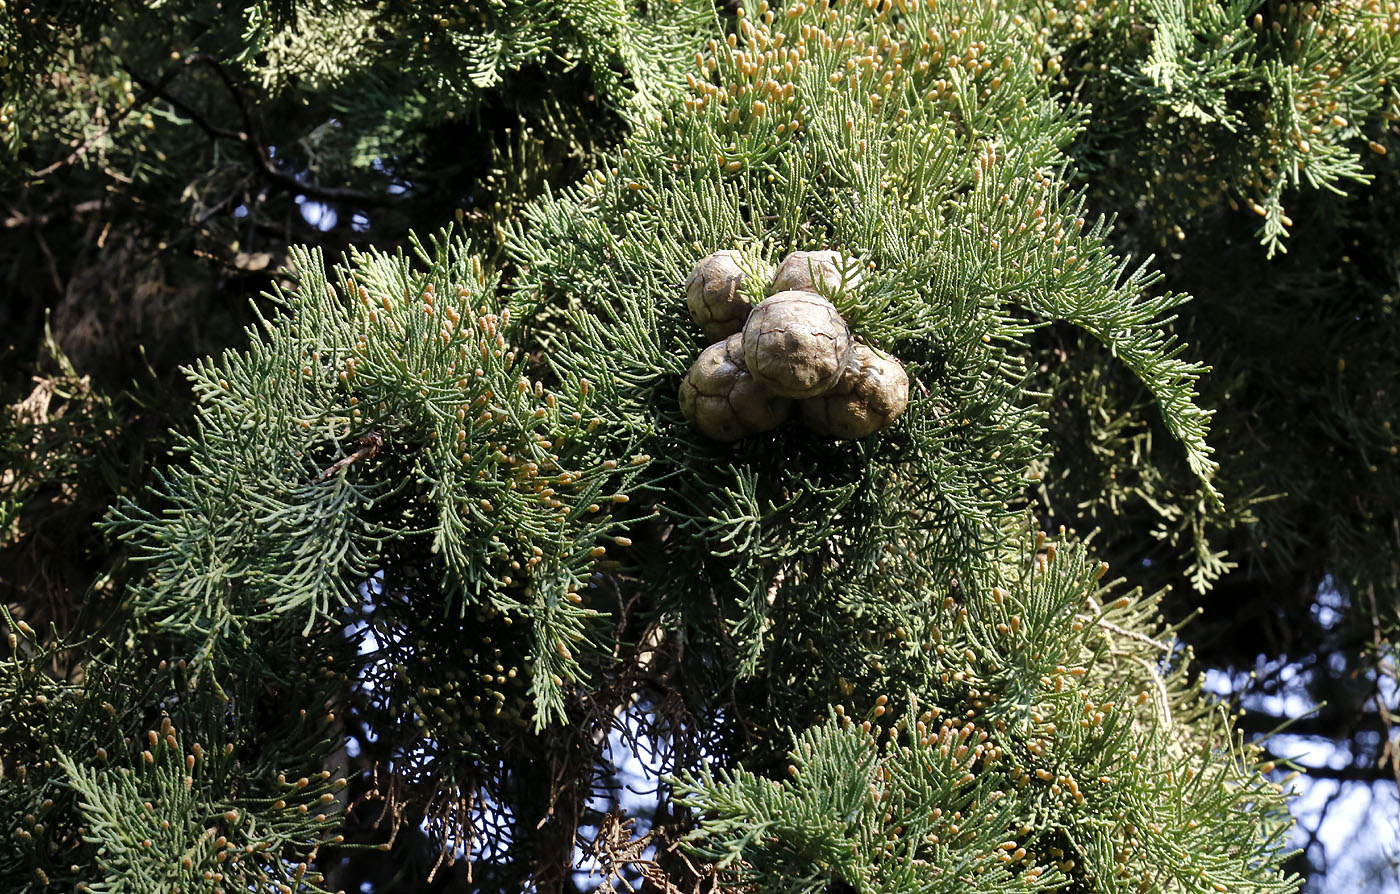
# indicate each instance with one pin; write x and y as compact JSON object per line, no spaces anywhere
{"x":1387,"y":750}
{"x":52,"y":263}
{"x":1164,"y":705}
{"x":16,"y":219}
{"x":1100,"y":620}
{"x":1130,"y":634}
{"x":369,"y":446}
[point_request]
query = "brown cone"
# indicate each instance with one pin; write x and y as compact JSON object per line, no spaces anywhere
{"x":717,"y":295}
{"x":723,"y":401}
{"x":815,"y":271}
{"x":796,"y":344}
{"x":871,"y":394}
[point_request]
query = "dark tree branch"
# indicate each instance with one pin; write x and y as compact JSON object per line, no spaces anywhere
{"x":51,"y":262}
{"x":184,"y":108}
{"x":249,"y":137}
{"x":151,"y":90}
{"x":257,"y":147}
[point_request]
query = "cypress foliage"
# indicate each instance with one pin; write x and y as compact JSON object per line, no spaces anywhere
{"x":438,"y":546}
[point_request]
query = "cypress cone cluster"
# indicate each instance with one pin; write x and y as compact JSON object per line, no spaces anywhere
{"x":791,"y":349}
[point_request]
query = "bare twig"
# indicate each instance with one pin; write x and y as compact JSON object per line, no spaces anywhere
{"x":1387,"y":722}
{"x":249,"y":137}
{"x":1101,"y":621}
{"x":616,"y":850}
{"x":369,"y":446}
{"x":51,"y":262}
{"x":16,"y":219}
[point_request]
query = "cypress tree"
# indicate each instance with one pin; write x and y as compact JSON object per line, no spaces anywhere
{"x":397,"y":588}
